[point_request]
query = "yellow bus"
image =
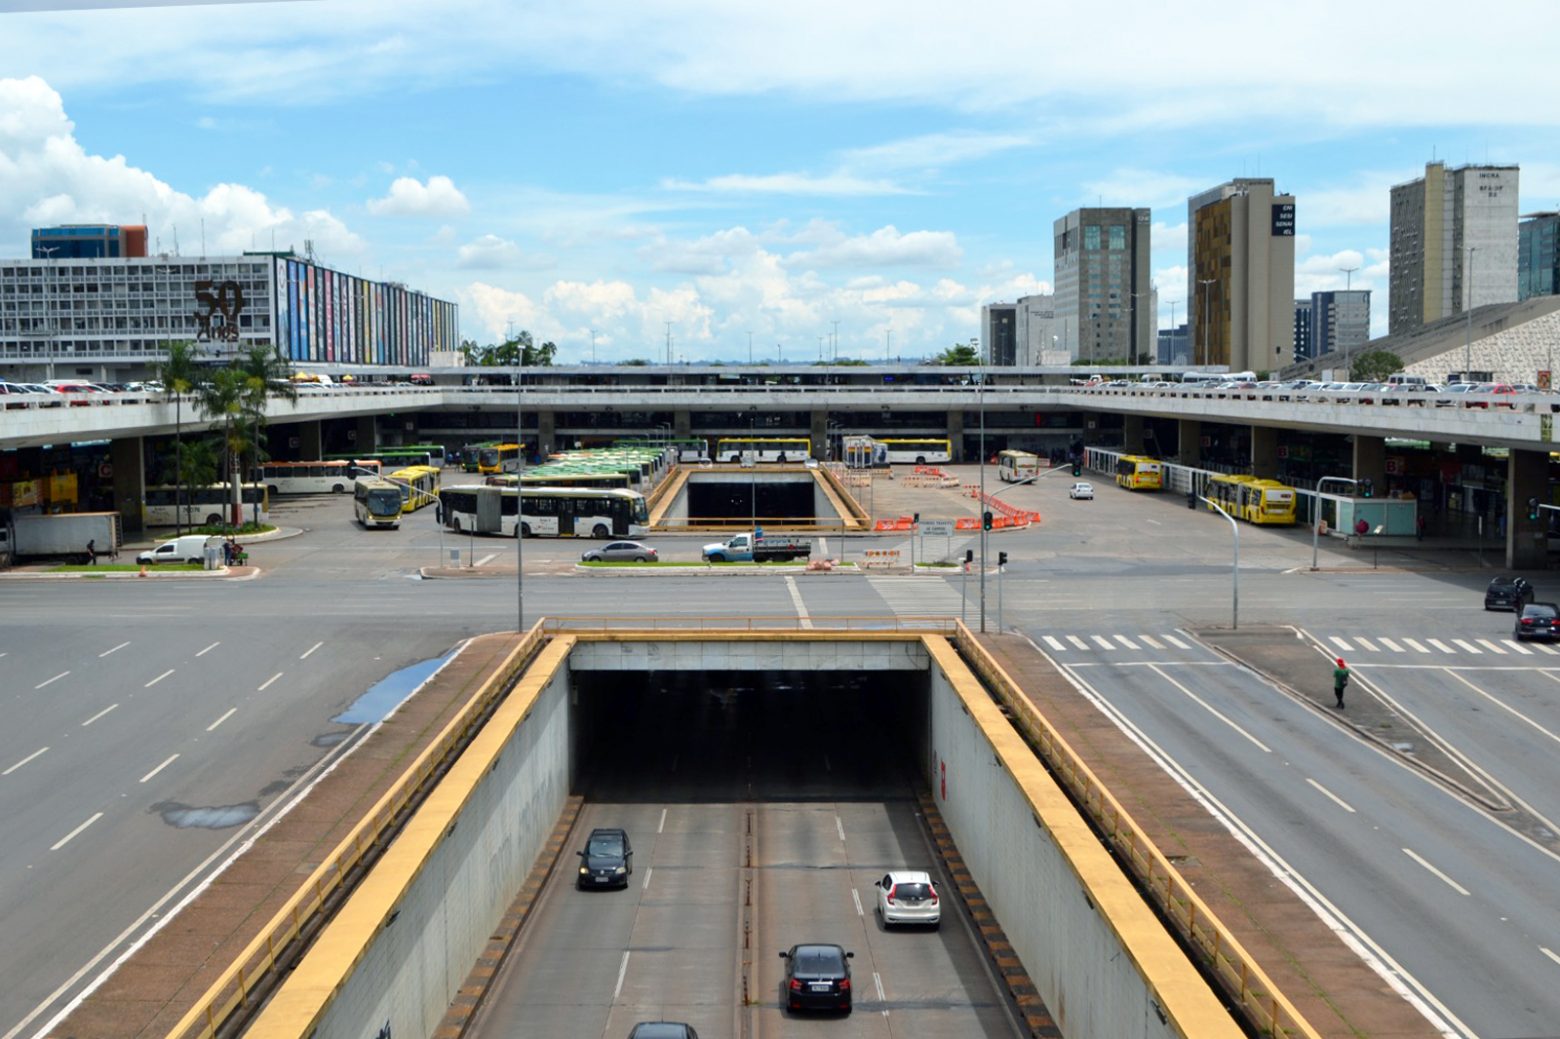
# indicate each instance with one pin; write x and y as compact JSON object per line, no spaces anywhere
{"x":1017,"y":466}
{"x":1139,"y":473}
{"x":419,"y":486}
{"x":1264,"y":502}
{"x":498,"y":458}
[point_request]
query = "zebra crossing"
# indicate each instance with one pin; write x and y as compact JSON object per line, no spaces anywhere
{"x":1434,"y":648}
{"x":918,"y":596}
{"x":1096,"y":643}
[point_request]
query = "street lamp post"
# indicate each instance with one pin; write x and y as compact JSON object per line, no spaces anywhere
{"x":1235,"y":573}
{"x":520,"y":495}
{"x":1316,"y":511}
{"x":1468,"y":336}
{"x":51,"y":304}
{"x":1202,"y":317}
{"x":980,"y":397}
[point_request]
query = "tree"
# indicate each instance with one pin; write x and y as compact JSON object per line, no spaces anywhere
{"x":266,"y":375}
{"x":1374,"y":366}
{"x":235,"y":397}
{"x":520,"y":349}
{"x":959,"y":355}
{"x":179,"y":373}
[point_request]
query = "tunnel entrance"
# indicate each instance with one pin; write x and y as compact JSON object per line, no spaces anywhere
{"x":731,"y":736}
{"x":788,"y":501}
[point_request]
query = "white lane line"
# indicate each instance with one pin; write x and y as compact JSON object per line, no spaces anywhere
{"x":159,"y":768}
{"x":310,"y":650}
{"x":106,"y":652}
{"x":1535,"y":725}
{"x":1393,"y":646}
{"x":230,"y":712}
{"x":1340,"y":643}
{"x":159,"y":678}
{"x":1126,"y":642}
{"x":1214,"y":711}
{"x":1151,"y":642}
{"x":1075,"y":640}
{"x":1470,"y":647}
{"x":1415,"y":645}
{"x":646,"y":885}
{"x":617,"y":989}
{"x":483,"y":562}
{"x":1340,"y":802}
{"x":856,"y":898}
{"x":1366,"y":644}
{"x":74,"y":833}
{"x":1517,"y":647}
{"x":98,"y":715}
{"x":1449,"y":881}
{"x":877,"y":982}
{"x":1104,"y":642}
{"x":1550,"y":953}
{"x":267,"y":683}
{"x":1050,"y":640}
{"x":796,"y":600}
{"x":50,"y":681}
{"x":208,"y":649}
{"x":24,"y":761}
{"x":1546,"y":649}
{"x":1492,"y":647}
{"x":839,"y":826}
{"x":1177,"y":643}
{"x":662,"y":824}
{"x":1443,"y":647}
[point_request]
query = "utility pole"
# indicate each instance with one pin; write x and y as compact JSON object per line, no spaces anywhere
{"x":750,"y":348}
{"x":593,"y":346}
{"x":668,"y":342}
{"x":1468,"y":336}
{"x":836,"y":340}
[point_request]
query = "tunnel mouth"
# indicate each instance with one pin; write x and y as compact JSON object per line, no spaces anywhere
{"x":738,"y":498}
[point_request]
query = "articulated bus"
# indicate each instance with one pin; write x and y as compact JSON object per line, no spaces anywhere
{"x":1265,"y":502}
{"x":419,"y":486}
{"x":331,"y":477}
{"x":1017,"y":466}
{"x":550,"y":512}
{"x":919,"y":450}
{"x":763,"y":449}
{"x":532,"y":478}
{"x":1137,"y":473}
{"x":201,"y":506}
{"x":499,"y":458}
{"x":376,"y":502}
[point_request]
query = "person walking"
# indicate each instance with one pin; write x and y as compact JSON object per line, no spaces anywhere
{"x":1340,"y":679}
{"x":1419,"y":526}
{"x":92,"y":552}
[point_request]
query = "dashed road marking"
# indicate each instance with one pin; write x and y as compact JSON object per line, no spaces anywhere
{"x":72,"y":835}
{"x":225,"y":717}
{"x":171,"y":759}
{"x":19,"y":764}
{"x":1448,"y":880}
{"x":106,"y":652}
{"x":98,"y":715}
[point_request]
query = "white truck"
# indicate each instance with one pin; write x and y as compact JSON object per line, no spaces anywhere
{"x":187,"y":548}
{"x":30,"y":537}
{"x":757,"y":548}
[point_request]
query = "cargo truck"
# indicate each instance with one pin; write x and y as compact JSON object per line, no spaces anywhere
{"x":760,"y":548}
{"x":30,"y":537}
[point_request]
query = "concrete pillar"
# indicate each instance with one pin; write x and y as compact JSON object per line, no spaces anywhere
{"x":311,"y":441}
{"x":129,"y":461}
{"x":367,"y":435}
{"x":1527,"y":476}
{"x":1264,"y":452}
{"x":682,"y":423}
{"x":1370,"y":461}
{"x":956,"y":434}
{"x":818,"y":433}
{"x":1132,"y":434}
{"x":1188,"y":447}
{"x":546,"y":432}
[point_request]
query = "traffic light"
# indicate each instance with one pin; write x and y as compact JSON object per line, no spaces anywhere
{"x":969,"y":556}
{"x":1001,"y":560}
{"x":1368,"y":487}
{"x":985,"y":520}
{"x":1077,"y":467}
{"x":1532,"y":509}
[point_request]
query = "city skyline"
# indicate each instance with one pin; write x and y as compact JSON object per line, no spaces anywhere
{"x":739,"y":174}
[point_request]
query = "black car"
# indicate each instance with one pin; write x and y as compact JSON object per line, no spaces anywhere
{"x":1537,"y":620}
{"x":1508,"y":593}
{"x":607,"y":859}
{"x":663,"y":1030}
{"x":817,"y":976}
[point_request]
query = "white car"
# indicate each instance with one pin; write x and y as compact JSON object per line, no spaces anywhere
{"x":908,"y":897}
{"x":1081,"y":491}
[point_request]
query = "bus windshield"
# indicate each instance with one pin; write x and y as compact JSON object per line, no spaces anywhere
{"x":488,"y":456}
{"x":384,"y":501}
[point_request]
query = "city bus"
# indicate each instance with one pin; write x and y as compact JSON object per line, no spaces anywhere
{"x":201,"y":506}
{"x":1017,"y":466}
{"x":548,"y":511}
{"x":1264,"y":502}
{"x":329,"y":477}
{"x":763,"y":449}
{"x":532,"y":478}
{"x":469,"y":453}
{"x":435,"y":452}
{"x":498,"y":458}
{"x":376,"y":502}
{"x":689,"y":449}
{"x":1138,"y":473}
{"x":419,"y":486}
{"x":919,"y":450}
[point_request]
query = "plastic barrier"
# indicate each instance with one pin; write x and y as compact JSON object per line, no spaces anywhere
{"x":879,"y":558}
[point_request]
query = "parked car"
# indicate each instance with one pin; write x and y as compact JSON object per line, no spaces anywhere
{"x":607,"y":859}
{"x":620,"y":552}
{"x":818,"y":976}
{"x":1537,"y":620}
{"x":1081,"y":491}
{"x":908,"y":897}
{"x":662,"y":1030}
{"x":1508,"y":593}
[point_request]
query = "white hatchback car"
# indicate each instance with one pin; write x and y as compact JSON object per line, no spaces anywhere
{"x":908,"y":897}
{"x":1081,"y":490}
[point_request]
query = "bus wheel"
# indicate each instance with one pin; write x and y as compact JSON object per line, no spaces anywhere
{"x":336,"y":488}
{"x":272,"y":490}
{"x":601,"y":533}
{"x":920,"y":459}
{"x":455,"y":524}
{"x":525,"y":530}
{"x":213,"y":519}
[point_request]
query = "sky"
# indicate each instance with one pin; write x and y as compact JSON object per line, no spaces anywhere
{"x":796,"y":180}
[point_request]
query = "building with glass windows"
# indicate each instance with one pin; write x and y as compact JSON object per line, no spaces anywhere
{"x":1538,"y":258}
{"x":1241,"y":275}
{"x":1302,"y":329}
{"x":88,"y":241}
{"x":1453,"y":243}
{"x":1339,"y":322}
{"x":1105,"y":308}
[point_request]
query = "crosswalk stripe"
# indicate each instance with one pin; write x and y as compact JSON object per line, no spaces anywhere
{"x":1492,"y":647}
{"x":1517,"y":647}
{"x":1393,"y":646}
{"x":1365,"y":643}
{"x":1547,"y":649}
{"x":1126,"y":642}
{"x":1051,"y":641}
{"x":1470,"y":647}
{"x":1075,"y":640}
{"x":1340,"y":643}
{"x":1150,"y":642}
{"x":1416,"y":646}
{"x":1103,"y":641}
{"x":1177,"y":643}
{"x":1443,"y":647}
{"x":914,"y":595}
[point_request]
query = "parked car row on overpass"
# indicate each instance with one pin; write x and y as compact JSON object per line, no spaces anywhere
{"x":1458,"y":394}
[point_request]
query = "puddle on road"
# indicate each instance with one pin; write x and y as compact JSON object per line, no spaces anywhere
{"x":389,"y":692}
{"x":206,"y":817}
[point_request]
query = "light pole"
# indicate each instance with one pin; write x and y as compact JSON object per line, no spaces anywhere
{"x":1235,"y":573}
{"x":836,"y":340}
{"x":750,"y":348}
{"x":520,"y":493}
{"x":1468,"y":337}
{"x":1316,"y":511}
{"x":980,"y":397}
{"x":51,"y":305}
{"x":593,"y":346}
{"x":1202,"y":316}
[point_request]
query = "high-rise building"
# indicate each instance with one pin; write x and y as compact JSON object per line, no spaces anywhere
{"x":1340,"y":322}
{"x":997,"y":321}
{"x":88,"y":242}
{"x":1453,"y":245}
{"x":1538,"y":257}
{"x":1241,"y":275}
{"x":1104,"y":303}
{"x":1302,"y":329}
{"x":1173,"y":345}
{"x":1035,"y":331}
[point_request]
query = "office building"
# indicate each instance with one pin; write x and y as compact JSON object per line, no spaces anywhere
{"x":1035,"y":331}
{"x":1453,"y":243}
{"x":1104,"y":303}
{"x":1241,"y":283}
{"x":1302,"y":329}
{"x":1538,"y":259}
{"x":1174,"y":346}
{"x":997,"y":331}
{"x":88,"y":242}
{"x":1340,"y":322}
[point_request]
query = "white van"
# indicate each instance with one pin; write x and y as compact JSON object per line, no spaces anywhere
{"x":191,"y":548}
{"x":1400,"y":381}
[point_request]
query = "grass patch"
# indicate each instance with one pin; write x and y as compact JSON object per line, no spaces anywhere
{"x":119,"y":568}
{"x":224,"y":530}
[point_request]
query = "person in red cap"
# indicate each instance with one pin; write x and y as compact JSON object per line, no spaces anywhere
{"x":1340,"y":679}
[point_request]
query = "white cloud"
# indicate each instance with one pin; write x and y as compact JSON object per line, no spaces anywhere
{"x":932,"y":151}
{"x":836,"y":184}
{"x":487,"y":252}
{"x":884,"y":247}
{"x":410,"y":197}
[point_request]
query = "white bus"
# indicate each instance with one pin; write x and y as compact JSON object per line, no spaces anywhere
{"x":201,"y":506}
{"x":550,"y":512}
{"x":917,"y":450}
{"x":1017,"y":466}
{"x":330,"y":477}
{"x":763,"y":449}
{"x":377,"y":502}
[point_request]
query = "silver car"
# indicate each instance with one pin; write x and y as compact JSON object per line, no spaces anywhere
{"x":620,"y":552}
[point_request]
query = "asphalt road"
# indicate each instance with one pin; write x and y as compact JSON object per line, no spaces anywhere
{"x":115,"y":678}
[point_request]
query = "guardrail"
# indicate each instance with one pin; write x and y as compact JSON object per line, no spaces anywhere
{"x":1236,"y":970}
{"x":232,"y":990}
{"x":812,"y":625}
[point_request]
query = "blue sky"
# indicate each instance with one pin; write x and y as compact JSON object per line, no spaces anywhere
{"x":735,"y":168}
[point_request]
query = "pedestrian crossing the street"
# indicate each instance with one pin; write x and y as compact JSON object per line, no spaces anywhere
{"x":1426,"y":649}
{"x":917,"y":596}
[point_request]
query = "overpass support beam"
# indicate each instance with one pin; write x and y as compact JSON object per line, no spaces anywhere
{"x":682,"y":423}
{"x":1188,"y":446}
{"x":1370,"y":461}
{"x":956,"y":434}
{"x":367,"y":440}
{"x":546,"y":433}
{"x":818,"y":433}
{"x":1527,"y":476}
{"x":1132,"y":434}
{"x":1264,"y":452}
{"x":311,"y":441}
{"x":128,"y":458}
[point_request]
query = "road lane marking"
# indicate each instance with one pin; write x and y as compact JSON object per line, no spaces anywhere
{"x":1340,"y":643}
{"x":1546,"y":649}
{"x":311,"y":649}
{"x":50,"y":681}
{"x":1537,"y":727}
{"x":1365,"y":644}
{"x":1470,"y":647}
{"x":159,"y":768}
{"x":877,"y":982}
{"x":106,"y":652}
{"x":1151,"y":642}
{"x":856,"y":898}
{"x":208,"y":649}
{"x":24,"y":761}
{"x":74,"y":833}
{"x":1550,"y":953}
{"x":1177,"y":643}
{"x":1051,"y":641}
{"x":646,"y":885}
{"x":1448,"y":880}
{"x":1103,"y":642}
{"x":159,"y":678}
{"x":98,"y":715}
{"x":617,"y":989}
{"x":839,"y":826}
{"x":225,"y":717}
{"x":1214,"y":711}
{"x":267,"y":683}
{"x":796,"y":600}
{"x":483,"y":562}
{"x":1415,"y":645}
{"x":1340,"y":802}
{"x":1393,"y":646}
{"x":1075,"y":640}
{"x":1126,"y":642}
{"x":1517,"y":647}
{"x":1443,"y":647}
{"x":662,"y":824}
{"x":1492,"y":647}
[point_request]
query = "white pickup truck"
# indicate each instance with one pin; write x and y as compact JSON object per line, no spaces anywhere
{"x":762,"y":548}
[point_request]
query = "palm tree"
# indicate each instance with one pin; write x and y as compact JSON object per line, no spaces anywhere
{"x":221,"y":399}
{"x":179,"y":373}
{"x":266,"y":375}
